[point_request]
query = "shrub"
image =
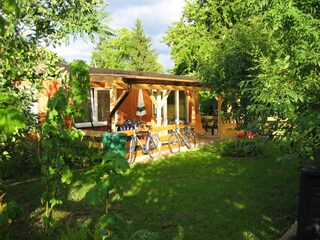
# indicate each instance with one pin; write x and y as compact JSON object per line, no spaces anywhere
{"x":21,"y":158}
{"x":9,"y":211}
{"x":243,"y":147}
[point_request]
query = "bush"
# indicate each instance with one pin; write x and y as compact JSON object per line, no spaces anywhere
{"x":9,"y":212}
{"x":21,"y":158}
{"x":81,"y":154}
{"x":243,"y":147}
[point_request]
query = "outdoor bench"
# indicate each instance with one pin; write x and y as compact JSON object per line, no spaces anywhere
{"x":210,"y":122}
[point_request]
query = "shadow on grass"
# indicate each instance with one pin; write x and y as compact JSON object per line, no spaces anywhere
{"x":193,"y":195}
{"x":199,"y":195}
{"x":74,"y":212}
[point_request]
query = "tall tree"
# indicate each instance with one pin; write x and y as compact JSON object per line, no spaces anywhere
{"x":289,"y":83}
{"x":129,"y":50}
{"x":263,"y":53}
{"x":219,"y":42}
{"x":26,"y":26}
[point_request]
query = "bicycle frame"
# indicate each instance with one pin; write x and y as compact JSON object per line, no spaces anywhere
{"x":177,"y":138}
{"x":144,"y":147}
{"x":180,"y":136}
{"x":152,"y":145}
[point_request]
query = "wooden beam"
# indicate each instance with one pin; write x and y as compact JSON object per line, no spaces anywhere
{"x":153,"y":99}
{"x":164,"y":99}
{"x":102,"y":78}
{"x":162,"y":87}
{"x":119,"y":83}
{"x":120,"y":100}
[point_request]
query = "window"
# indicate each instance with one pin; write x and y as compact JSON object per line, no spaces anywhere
{"x":183,"y":106}
{"x":97,"y":110}
{"x":103,"y":107}
{"x":87,"y":113}
{"x":180,"y":104}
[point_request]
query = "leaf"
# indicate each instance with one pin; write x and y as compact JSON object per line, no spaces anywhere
{"x":104,"y":185}
{"x":11,"y":6}
{"x":106,"y":220}
{"x":55,"y":201}
{"x":3,"y":22}
{"x":66,"y":177}
{"x":4,"y":219}
{"x":118,"y":162}
{"x":11,"y":119}
{"x":93,"y":196}
{"x":52,"y":114}
{"x":14,"y":210}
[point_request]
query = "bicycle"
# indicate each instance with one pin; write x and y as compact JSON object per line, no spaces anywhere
{"x":152,"y":147}
{"x":178,"y":138}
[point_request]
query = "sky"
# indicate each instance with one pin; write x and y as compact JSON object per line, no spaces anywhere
{"x":156,"y":16}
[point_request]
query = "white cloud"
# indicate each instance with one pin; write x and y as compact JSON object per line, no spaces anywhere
{"x":156,"y":16}
{"x":76,"y":50}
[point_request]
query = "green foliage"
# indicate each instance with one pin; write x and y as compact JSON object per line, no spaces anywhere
{"x":20,"y":160}
{"x":9,"y":212}
{"x":26,"y":26}
{"x":11,"y":120}
{"x":55,"y":137}
{"x":129,"y":50}
{"x":261,"y":57}
{"x":109,"y":178}
{"x":223,"y":51}
{"x":288,"y":85}
{"x":243,"y":147}
{"x":208,"y":103}
{"x":202,"y":25}
{"x":57,"y":140}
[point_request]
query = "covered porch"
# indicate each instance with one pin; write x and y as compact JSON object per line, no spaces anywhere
{"x":167,"y":98}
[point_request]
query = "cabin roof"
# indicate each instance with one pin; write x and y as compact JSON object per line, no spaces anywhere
{"x":109,"y":78}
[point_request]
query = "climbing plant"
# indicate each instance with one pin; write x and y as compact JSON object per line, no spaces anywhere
{"x":56,"y":136}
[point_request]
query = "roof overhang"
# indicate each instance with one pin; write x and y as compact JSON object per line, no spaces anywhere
{"x":120,"y":79}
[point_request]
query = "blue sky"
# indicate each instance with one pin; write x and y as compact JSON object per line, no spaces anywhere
{"x":156,"y":16}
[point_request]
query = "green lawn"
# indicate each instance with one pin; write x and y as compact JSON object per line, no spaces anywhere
{"x":193,"y":195}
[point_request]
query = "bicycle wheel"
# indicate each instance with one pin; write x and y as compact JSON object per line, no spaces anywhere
{"x":154,"y":146}
{"x":174,"y":143}
{"x":132,"y":151}
{"x":190,"y":139}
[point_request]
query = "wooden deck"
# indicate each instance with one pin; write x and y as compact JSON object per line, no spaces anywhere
{"x":202,"y":139}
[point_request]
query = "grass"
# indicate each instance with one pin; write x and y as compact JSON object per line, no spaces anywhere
{"x":192,"y":195}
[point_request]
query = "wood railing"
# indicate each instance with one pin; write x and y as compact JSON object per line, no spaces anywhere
{"x":162,"y":129}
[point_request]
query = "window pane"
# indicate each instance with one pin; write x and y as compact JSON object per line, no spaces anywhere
{"x":171,"y":107}
{"x":86,"y":107}
{"x":182,"y":106}
{"x":103,"y":105}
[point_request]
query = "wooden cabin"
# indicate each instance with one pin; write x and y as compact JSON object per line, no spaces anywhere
{"x":114,"y":95}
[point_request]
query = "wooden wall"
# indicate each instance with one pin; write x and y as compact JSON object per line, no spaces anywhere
{"x":129,"y":106}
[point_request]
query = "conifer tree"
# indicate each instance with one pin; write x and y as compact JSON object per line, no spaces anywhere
{"x":129,"y":50}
